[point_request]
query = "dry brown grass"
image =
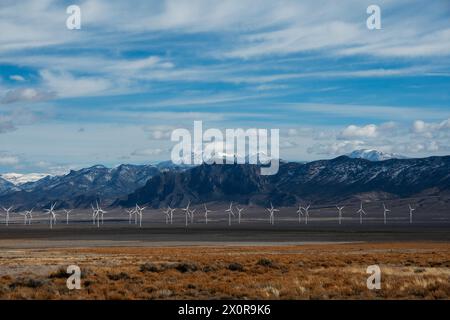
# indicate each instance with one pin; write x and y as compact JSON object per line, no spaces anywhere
{"x":409,"y":271}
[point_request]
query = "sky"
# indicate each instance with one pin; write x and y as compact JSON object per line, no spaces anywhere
{"x":113,"y":91}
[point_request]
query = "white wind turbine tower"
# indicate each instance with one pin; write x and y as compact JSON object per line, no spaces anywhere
{"x":25,"y":217}
{"x":385,"y":211}
{"x":7,"y":214}
{"x":130,"y":214}
{"x":340,"y":213}
{"x":306,"y":213}
{"x":187,"y":214}
{"x":102,"y":212}
{"x":300,"y":213}
{"x":172,"y":210}
{"x":67,"y":212}
{"x":206,"y":213}
{"x":361,"y":212}
{"x":51,"y":215}
{"x":239,"y":214}
{"x":271,"y":213}
{"x":28,"y":216}
{"x":136,"y":213}
{"x":191,"y":213}
{"x":99,"y":214}
{"x":411,"y":209}
{"x":230,"y":213}
{"x":139,"y":211}
{"x":94,"y":214}
{"x":167,"y":214}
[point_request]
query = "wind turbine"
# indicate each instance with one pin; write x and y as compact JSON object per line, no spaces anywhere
{"x":67,"y":212}
{"x":172,"y":210}
{"x":99,"y":213}
{"x":239,"y":214}
{"x":300,"y":213}
{"x":187,"y":212}
{"x":29,"y":215}
{"x":361,"y":212}
{"x":340,"y":213}
{"x":411,"y":209}
{"x":130,"y":214}
{"x":306,"y":213}
{"x":139,"y":211}
{"x":7,"y":214}
{"x":192,"y":215}
{"x":230,"y":213}
{"x":206,"y":213}
{"x":271,"y":213}
{"x":25,"y":217}
{"x":94,"y":213}
{"x":385,"y":211}
{"x":51,"y":215}
{"x":167,"y":213}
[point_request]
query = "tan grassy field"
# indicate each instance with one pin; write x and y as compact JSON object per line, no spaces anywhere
{"x":409,"y":271}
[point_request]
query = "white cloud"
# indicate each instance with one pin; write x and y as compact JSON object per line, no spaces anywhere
{"x":424,"y":139}
{"x":336,"y":148}
{"x":298,"y":38}
{"x":298,"y":132}
{"x":152,"y":62}
{"x":33,"y":24}
{"x":423,"y":148}
{"x":340,"y":31}
{"x":431,"y":129}
{"x":387,"y":126}
{"x":8,"y":160}
{"x":17,"y":78}
{"x":66,"y":85}
{"x":434,"y":43}
{"x":352,"y":131}
{"x":161,"y":134}
{"x":386,"y":113}
{"x":271,"y":27}
{"x":147,"y":152}
{"x":26,"y":94}
{"x":286,"y":144}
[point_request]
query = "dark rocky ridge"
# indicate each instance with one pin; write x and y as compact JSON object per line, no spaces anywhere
{"x":324,"y":181}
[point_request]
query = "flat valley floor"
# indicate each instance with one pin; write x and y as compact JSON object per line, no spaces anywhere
{"x":253,"y":260}
{"x":409,"y":270}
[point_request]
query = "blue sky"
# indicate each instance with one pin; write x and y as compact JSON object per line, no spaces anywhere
{"x":113,"y":91}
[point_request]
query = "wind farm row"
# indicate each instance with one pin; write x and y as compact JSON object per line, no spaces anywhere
{"x":234,"y":214}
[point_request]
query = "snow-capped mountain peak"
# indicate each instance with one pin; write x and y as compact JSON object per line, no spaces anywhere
{"x":19,"y":179}
{"x":374,"y":155}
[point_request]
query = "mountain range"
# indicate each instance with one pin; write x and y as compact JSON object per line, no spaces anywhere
{"x":80,"y":188}
{"x":323,"y":181}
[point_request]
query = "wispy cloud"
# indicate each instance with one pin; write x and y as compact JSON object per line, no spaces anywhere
{"x":8,"y":159}
{"x":26,"y":94}
{"x":6,"y":125}
{"x":17,"y":77}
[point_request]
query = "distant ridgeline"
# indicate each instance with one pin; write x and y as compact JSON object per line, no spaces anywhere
{"x":323,"y":181}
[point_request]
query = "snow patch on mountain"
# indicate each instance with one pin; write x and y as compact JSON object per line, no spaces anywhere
{"x":19,"y":178}
{"x":373,"y":155}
